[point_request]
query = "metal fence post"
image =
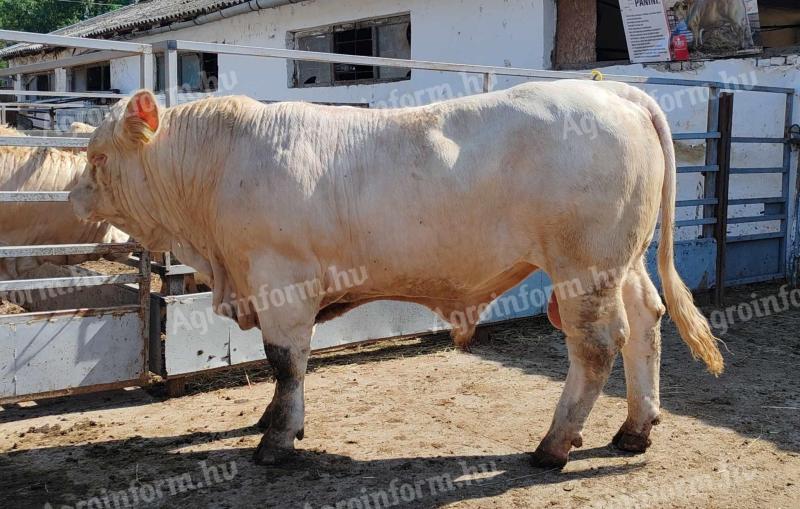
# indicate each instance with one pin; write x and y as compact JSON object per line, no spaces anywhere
{"x":487,"y":82}
{"x":19,"y":85}
{"x":725,"y":125}
{"x":710,"y":178}
{"x":171,"y":74}
{"x":144,"y":308}
{"x":788,"y":258}
{"x":146,"y":70}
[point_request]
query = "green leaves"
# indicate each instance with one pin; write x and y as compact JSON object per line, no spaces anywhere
{"x":44,"y":16}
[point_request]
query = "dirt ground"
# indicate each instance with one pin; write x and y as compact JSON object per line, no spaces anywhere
{"x":415,"y":423}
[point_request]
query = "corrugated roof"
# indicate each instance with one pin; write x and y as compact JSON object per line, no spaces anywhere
{"x":146,"y":13}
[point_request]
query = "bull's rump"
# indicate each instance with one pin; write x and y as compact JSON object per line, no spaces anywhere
{"x":459,"y":191}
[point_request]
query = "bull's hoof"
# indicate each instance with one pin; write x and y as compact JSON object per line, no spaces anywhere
{"x":266,"y":454}
{"x":631,"y":442}
{"x":301,"y":434}
{"x":543,"y":459}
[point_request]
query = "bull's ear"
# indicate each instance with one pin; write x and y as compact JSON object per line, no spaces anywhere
{"x":141,"y":117}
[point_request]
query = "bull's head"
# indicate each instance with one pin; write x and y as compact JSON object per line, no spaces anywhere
{"x":114,"y":186}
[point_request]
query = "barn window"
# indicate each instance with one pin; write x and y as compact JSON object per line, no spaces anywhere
{"x":98,"y":78}
{"x":197,"y":72}
{"x":384,"y":37}
{"x":91,"y":78}
{"x":39,"y":82}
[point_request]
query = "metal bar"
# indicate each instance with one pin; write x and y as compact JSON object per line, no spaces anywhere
{"x":785,"y":263}
{"x":40,"y":105}
{"x":72,"y":42}
{"x":67,"y":282}
{"x":146,"y":70}
{"x":756,"y":201}
{"x":19,"y":86}
{"x":695,"y":203}
{"x":487,"y":82}
{"x":84,"y":59}
{"x":711,"y":135}
{"x":725,"y":127}
{"x":757,"y":279}
{"x":315,"y":56}
{"x":755,"y":236}
{"x":756,"y":219}
{"x":750,"y":171}
{"x":85,"y":95}
{"x":709,"y":168}
{"x":67,"y":249}
{"x":33,"y":196}
{"x":695,"y":222}
{"x":711,"y":150}
{"x":72,"y":391}
{"x":144,"y":307}
{"x":753,"y":139}
{"x":40,"y":141}
{"x":171,"y":77}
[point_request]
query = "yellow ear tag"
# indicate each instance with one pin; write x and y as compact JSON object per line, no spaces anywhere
{"x":597,"y":75}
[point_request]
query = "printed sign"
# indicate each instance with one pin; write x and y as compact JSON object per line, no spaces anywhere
{"x":667,"y":30}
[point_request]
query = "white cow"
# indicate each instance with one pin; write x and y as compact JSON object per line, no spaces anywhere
{"x":446,"y":205}
{"x":22,"y":224}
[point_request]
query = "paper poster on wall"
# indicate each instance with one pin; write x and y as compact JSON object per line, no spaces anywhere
{"x":667,"y":30}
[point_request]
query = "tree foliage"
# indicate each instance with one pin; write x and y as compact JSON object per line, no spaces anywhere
{"x":44,"y":16}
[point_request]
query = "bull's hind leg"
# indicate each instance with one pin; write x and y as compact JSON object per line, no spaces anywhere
{"x":642,"y":357}
{"x":596,"y":328}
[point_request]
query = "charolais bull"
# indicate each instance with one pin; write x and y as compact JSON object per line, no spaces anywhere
{"x":446,"y":205}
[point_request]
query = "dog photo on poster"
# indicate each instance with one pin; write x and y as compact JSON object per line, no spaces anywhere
{"x":697,"y":29}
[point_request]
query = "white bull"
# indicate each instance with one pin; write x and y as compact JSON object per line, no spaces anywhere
{"x":22,"y":224}
{"x":446,"y":205}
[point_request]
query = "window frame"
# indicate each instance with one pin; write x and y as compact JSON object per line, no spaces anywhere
{"x":160,"y":71}
{"x":293,"y":42}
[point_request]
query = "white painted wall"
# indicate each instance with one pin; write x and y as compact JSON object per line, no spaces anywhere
{"x":513,"y":33}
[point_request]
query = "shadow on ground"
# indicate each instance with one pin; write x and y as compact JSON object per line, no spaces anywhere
{"x":166,"y":477}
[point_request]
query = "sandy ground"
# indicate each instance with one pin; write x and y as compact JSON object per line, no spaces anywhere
{"x":415,"y":423}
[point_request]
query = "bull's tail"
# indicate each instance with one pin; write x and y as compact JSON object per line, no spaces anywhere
{"x":692,"y":325}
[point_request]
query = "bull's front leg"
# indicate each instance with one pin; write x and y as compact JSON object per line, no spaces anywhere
{"x":287,"y":349}
{"x":286,"y":330}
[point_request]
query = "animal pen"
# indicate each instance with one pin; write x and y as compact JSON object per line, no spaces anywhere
{"x":110,"y":331}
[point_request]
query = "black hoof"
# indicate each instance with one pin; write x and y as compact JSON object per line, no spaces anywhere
{"x":268,"y":455}
{"x":631,"y":442}
{"x":542,"y":459}
{"x":301,"y":434}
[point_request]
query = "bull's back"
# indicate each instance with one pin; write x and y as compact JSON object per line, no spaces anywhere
{"x":479,"y":183}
